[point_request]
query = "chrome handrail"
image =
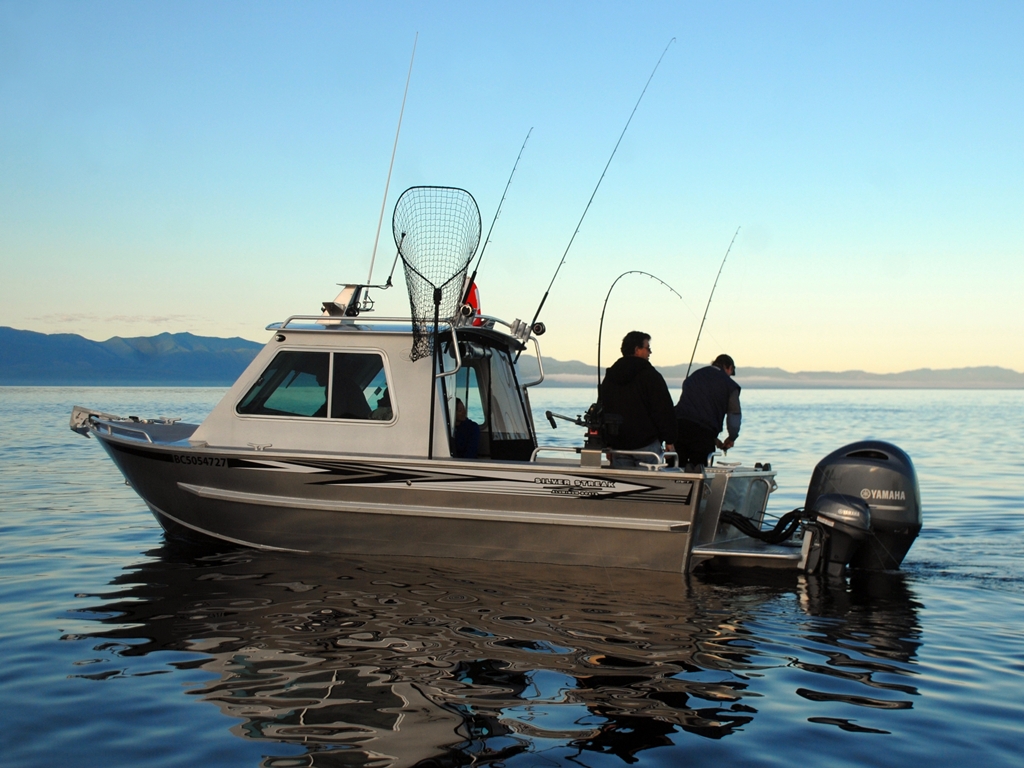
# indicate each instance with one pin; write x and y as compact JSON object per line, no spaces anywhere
{"x":359,"y":319}
{"x":651,"y":466}
{"x":556,"y":448}
{"x":343,"y":320}
{"x":540,"y":365}
{"x":111,"y":427}
{"x":458,"y":358}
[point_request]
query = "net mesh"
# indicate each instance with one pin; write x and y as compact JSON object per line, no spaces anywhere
{"x":437,"y":231}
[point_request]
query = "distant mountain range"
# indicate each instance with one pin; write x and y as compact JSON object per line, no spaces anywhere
{"x":573,"y":373}
{"x":170,"y":359}
{"x":182,"y":359}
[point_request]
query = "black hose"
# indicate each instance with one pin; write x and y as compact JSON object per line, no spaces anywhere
{"x":784,"y":528}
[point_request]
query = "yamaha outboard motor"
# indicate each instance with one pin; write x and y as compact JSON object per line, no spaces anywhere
{"x":883,"y":476}
{"x":843,"y":524}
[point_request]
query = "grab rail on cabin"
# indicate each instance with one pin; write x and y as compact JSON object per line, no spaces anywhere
{"x":540,"y":365}
{"x":458,"y":358}
{"x":517,"y":330}
{"x":327,"y":321}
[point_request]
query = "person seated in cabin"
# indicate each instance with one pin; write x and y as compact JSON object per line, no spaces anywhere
{"x":467,"y":433}
{"x":708,"y":396}
{"x":347,"y":398}
{"x":383,"y":410}
{"x":633,"y":389}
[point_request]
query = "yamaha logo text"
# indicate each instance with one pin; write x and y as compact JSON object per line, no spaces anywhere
{"x":874,"y":494}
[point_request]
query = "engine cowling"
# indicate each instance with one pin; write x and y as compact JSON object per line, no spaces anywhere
{"x":883,"y":476}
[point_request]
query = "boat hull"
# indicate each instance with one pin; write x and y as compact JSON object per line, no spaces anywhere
{"x":483,"y":510}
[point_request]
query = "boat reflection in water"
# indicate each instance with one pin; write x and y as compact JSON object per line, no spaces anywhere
{"x":436,"y":662}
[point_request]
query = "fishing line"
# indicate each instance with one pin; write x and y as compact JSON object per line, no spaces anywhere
{"x":571,"y":239}
{"x":708,"y":306}
{"x":479,"y":258}
{"x":600,"y":327}
{"x":387,"y":184}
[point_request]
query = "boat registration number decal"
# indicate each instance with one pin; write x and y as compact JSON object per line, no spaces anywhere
{"x":206,"y":461}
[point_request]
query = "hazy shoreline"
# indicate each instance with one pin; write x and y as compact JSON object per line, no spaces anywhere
{"x":28,"y":358}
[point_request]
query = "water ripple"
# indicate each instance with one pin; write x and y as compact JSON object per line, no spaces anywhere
{"x":288,"y":661}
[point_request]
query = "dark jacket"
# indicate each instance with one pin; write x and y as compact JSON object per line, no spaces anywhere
{"x":708,"y":395}
{"x":467,"y":439}
{"x":633,"y":389}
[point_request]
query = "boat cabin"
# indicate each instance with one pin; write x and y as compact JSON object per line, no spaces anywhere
{"x":347,"y":385}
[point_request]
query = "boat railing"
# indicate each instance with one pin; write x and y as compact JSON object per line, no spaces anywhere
{"x":122,"y":428}
{"x":518,"y":330}
{"x":458,"y":358}
{"x":660,"y":460}
{"x":540,"y":365}
{"x":327,"y":321}
{"x":552,"y":449}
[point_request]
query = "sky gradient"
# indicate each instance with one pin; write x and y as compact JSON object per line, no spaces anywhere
{"x":214,"y":167}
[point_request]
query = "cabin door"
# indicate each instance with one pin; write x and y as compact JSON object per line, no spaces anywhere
{"x":486,"y":385}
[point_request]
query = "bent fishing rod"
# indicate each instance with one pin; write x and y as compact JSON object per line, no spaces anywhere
{"x":600,"y":327}
{"x":594,"y":193}
{"x":708,"y":306}
{"x":480,"y":257}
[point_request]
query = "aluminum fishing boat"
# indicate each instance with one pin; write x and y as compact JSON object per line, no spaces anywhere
{"x":324,"y":444}
{"x":338,"y":439}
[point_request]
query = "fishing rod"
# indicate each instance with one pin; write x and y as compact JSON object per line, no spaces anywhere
{"x":600,"y":327}
{"x":387,"y":184}
{"x":479,"y":258}
{"x":571,"y":239}
{"x":708,"y":306}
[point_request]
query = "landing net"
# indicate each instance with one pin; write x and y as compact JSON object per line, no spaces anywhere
{"x":437,"y":231}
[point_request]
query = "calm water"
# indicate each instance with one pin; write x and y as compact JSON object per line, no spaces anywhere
{"x":122,"y":649}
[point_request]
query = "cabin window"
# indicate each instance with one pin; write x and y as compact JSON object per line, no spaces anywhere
{"x":467,"y":389}
{"x":359,"y":387}
{"x":294,"y":384}
{"x":346,"y":385}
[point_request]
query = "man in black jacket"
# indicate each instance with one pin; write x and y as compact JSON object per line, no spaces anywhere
{"x":709,"y":394}
{"x":634,"y":390}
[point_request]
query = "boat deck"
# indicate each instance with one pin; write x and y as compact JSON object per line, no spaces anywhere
{"x":750,"y":552}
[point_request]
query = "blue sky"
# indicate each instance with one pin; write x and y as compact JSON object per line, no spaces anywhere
{"x":213,"y":167}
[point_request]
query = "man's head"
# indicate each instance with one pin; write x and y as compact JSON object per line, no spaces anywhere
{"x":726,"y":364}
{"x":460,"y":411}
{"x":636,"y":343}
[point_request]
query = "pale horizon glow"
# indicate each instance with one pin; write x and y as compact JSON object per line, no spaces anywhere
{"x":213,"y":168}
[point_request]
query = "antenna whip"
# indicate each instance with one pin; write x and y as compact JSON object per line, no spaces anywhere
{"x":706,"y":308}
{"x":384,"y":202}
{"x":545,"y":298}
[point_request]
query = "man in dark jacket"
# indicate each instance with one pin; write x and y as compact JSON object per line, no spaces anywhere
{"x":634,"y":390}
{"x":708,"y":395}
